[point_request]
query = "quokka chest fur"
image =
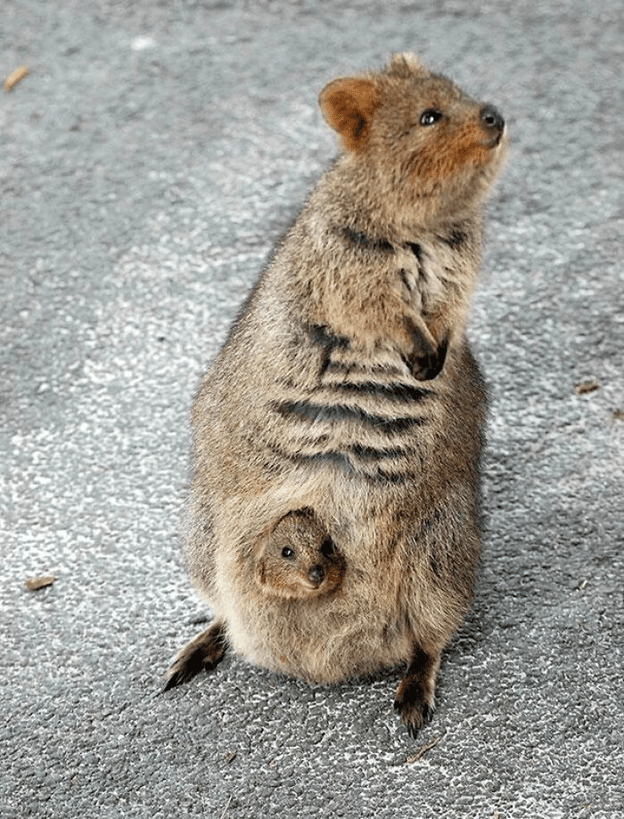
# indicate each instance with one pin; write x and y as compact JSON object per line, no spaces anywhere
{"x":347,"y":387}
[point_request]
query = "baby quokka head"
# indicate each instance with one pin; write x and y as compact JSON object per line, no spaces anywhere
{"x":297,"y":559}
{"x":414,"y":138}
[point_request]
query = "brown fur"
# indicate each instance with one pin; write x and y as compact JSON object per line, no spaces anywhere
{"x":296,"y":559}
{"x":347,"y":387}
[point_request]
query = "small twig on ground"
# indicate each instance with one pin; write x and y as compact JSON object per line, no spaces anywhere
{"x":225,"y":809}
{"x":15,"y":77}
{"x":422,"y":751}
{"x":587,"y":386}
{"x":34,"y":583}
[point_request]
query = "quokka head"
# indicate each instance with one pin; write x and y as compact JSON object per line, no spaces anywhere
{"x":297,"y":559}
{"x":416,"y":137}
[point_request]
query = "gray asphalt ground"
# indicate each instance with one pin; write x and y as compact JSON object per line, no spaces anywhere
{"x":148,"y":162}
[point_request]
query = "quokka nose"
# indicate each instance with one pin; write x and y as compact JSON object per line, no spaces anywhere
{"x":316,"y":574}
{"x":492,"y":118}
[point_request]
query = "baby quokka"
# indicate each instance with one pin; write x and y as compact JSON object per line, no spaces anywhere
{"x":296,"y":559}
{"x":346,"y":412}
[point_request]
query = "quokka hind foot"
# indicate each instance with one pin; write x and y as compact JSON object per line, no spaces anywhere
{"x":203,"y":653}
{"x":414,"y":698}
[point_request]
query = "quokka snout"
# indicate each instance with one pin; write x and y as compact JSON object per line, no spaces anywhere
{"x":347,"y":388}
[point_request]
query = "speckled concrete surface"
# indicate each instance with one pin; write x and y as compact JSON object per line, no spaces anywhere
{"x":148,"y":162}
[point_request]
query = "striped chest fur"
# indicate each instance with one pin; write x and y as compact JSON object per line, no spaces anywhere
{"x":357,"y":381}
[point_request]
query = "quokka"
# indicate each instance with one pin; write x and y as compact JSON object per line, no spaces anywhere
{"x":347,"y":387}
{"x":297,"y":559}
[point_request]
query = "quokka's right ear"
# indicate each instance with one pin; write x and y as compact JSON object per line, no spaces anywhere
{"x":348,"y":105}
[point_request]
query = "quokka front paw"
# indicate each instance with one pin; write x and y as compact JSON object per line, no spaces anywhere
{"x":427,"y":355}
{"x":203,"y":653}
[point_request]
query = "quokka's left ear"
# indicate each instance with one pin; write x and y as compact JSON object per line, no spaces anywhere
{"x":348,"y":105}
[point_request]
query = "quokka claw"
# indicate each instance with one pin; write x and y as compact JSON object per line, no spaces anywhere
{"x":414,"y":714}
{"x":185,"y":669}
{"x":203,"y":653}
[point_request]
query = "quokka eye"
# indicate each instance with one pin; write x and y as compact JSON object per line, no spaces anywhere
{"x":288,"y":553}
{"x":430,"y":116}
{"x":327,"y":549}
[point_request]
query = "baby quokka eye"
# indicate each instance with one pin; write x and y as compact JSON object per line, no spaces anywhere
{"x":430,"y":116}
{"x":288,"y":553}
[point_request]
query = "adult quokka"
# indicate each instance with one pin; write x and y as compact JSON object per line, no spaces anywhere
{"x":347,"y":387}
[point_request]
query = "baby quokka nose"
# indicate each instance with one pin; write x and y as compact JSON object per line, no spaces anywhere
{"x":316,"y":574}
{"x":492,"y":118}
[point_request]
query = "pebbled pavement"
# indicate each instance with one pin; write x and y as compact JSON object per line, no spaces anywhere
{"x":148,"y":162}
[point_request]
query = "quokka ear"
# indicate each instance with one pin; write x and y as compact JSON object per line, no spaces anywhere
{"x":304,"y":512}
{"x":406,"y":65}
{"x":348,"y":105}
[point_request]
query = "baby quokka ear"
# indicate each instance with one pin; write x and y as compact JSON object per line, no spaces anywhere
{"x":348,"y":105}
